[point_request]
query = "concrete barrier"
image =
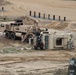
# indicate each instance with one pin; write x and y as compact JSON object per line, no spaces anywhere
{"x":30,"y":13}
{"x":64,"y":18}
{"x":53,"y":17}
{"x":43,"y":16}
{"x":2,"y":8}
{"x":39,"y":15}
{"x":34,"y":14}
{"x":48,"y":16}
{"x":59,"y":18}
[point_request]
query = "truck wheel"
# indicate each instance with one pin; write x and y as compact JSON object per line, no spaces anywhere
{"x":7,"y":35}
{"x":13,"y":36}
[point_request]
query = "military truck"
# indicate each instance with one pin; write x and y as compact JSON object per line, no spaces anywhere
{"x":18,"y":29}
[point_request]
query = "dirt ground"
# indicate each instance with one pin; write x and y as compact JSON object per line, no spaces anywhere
{"x":15,"y":59}
{"x":63,"y":8}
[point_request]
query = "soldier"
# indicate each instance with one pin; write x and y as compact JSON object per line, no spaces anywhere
{"x":70,"y":44}
{"x":72,"y":67}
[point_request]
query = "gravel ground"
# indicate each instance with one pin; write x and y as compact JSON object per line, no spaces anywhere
{"x":31,"y":62}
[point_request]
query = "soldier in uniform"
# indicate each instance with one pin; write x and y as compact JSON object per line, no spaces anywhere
{"x":70,"y":44}
{"x":72,"y":67}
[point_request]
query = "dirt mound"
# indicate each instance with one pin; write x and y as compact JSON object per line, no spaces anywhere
{"x":71,"y":26}
{"x":27,"y":20}
{"x":57,"y":25}
{"x":4,"y":2}
{"x":60,"y":26}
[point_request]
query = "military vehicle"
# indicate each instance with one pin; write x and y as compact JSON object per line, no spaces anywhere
{"x":18,"y":29}
{"x":38,"y":37}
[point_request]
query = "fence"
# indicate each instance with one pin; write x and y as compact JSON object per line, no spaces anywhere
{"x":44,"y":16}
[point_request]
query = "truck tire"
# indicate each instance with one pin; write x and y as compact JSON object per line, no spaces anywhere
{"x":13,"y":36}
{"x":7,"y":35}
